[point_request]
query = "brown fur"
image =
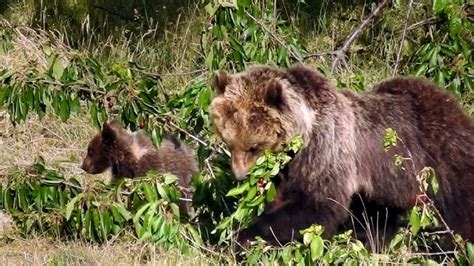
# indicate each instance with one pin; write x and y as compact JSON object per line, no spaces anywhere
{"x":343,"y":154}
{"x":133,"y":154}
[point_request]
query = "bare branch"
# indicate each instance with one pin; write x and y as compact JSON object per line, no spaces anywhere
{"x":403,"y":38}
{"x":60,"y":84}
{"x":320,"y":54}
{"x":423,"y":254}
{"x":188,"y":134}
{"x":427,"y":21}
{"x":341,"y":52}
{"x":441,"y":232}
{"x":161,"y":75}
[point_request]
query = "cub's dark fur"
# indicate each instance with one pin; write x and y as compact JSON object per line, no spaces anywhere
{"x":343,"y":155}
{"x":133,"y":154}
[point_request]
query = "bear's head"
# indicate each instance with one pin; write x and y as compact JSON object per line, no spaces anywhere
{"x":253,"y":111}
{"x":99,"y":149}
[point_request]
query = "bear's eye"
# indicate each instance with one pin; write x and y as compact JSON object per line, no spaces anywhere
{"x":89,"y":152}
{"x":254,"y":149}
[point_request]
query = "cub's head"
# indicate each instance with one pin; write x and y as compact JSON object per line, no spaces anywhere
{"x":100,"y":148}
{"x":252,"y":112}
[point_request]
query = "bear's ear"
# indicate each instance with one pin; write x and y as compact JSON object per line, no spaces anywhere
{"x":274,"y":94}
{"x":221,"y":80}
{"x":108,"y":133}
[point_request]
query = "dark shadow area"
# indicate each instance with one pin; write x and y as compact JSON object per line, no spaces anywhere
{"x":85,"y":19}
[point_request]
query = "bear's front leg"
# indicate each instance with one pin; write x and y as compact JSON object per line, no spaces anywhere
{"x":282,"y":225}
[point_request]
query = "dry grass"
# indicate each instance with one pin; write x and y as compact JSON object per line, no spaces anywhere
{"x":41,"y":251}
{"x":62,"y":145}
{"x":28,"y":48}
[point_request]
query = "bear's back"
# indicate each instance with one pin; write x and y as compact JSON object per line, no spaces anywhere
{"x":173,"y":157}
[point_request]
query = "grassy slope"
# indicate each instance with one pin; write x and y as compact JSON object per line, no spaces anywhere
{"x":64,"y":144}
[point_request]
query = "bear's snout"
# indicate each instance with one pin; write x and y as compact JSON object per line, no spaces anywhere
{"x":240,"y":165}
{"x":86,"y":166}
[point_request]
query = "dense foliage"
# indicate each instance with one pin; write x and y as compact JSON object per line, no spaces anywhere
{"x":239,"y":33}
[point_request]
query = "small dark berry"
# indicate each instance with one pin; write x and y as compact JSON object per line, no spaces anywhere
{"x":142,"y":125}
{"x":108,"y":99}
{"x":258,"y":193}
{"x":111,"y":105}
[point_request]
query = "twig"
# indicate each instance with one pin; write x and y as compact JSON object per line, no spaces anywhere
{"x":422,"y":254}
{"x":72,"y":185}
{"x":162,"y":88}
{"x":276,"y":238}
{"x":169,"y":122}
{"x":160,"y":75}
{"x":431,"y":203}
{"x":427,"y":21}
{"x":199,"y":246}
{"x":341,"y":52}
{"x":320,"y":54}
{"x":57,"y":83}
{"x":441,"y":232}
{"x":410,"y":3}
{"x":188,"y":134}
{"x":448,"y":229}
{"x":282,"y":43}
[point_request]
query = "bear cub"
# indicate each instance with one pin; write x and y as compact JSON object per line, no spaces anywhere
{"x":132,"y":154}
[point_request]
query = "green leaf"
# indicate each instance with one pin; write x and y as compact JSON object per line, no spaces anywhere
{"x":421,"y":70}
{"x":5,"y":74}
{"x":56,"y":69}
{"x":434,"y":181}
{"x":251,"y":193}
{"x":228,"y":3}
{"x":121,"y":209}
{"x":470,"y":251}
{"x":96,"y":221}
{"x":415,"y":221}
{"x":390,"y":139}
{"x":395,"y":241}
{"x":258,"y":200}
{"x":138,"y":215}
{"x":271,"y":193}
{"x":455,"y":26}
{"x":75,"y":105}
{"x":238,"y":190}
{"x":70,"y":206}
{"x":64,"y":111}
{"x":439,"y":5}
{"x":102,"y":116}
{"x":210,"y":59}
{"x":317,"y":247}
{"x":260,"y":160}
{"x":150,"y":193}
{"x":282,"y":55}
{"x":307,"y":238}
{"x":162,"y":192}
{"x":210,"y":9}
{"x":275,"y":170}
{"x":170,"y":178}
{"x":93,"y":111}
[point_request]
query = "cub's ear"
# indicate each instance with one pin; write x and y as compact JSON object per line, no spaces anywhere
{"x":221,"y":80}
{"x":108,"y":133}
{"x":273,"y":94}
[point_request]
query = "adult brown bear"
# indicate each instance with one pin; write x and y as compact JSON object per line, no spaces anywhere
{"x":343,"y":153}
